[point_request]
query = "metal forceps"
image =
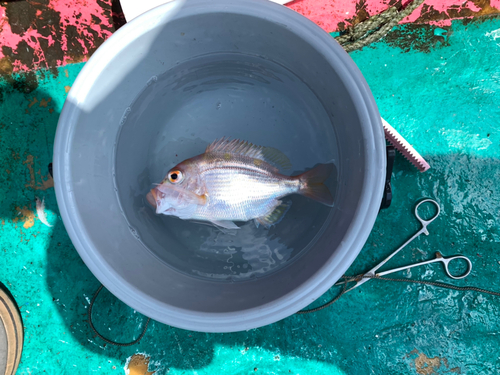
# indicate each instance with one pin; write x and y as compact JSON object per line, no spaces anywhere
{"x":439,"y":258}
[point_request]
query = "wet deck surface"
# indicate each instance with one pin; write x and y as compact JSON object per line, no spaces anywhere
{"x":436,"y":80}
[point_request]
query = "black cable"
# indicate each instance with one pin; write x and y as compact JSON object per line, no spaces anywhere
{"x":347,"y":279}
{"x":104,"y":338}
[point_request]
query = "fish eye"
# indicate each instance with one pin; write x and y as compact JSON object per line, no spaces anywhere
{"x":175,"y":177}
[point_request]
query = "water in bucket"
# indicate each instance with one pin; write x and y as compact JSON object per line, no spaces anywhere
{"x":177,"y":115}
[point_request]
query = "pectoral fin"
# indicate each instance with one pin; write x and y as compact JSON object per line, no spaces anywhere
{"x":227,"y":224}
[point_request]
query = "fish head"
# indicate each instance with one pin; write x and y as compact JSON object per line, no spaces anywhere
{"x":180,"y":193}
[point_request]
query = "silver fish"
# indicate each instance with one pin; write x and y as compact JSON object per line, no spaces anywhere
{"x":236,"y":181}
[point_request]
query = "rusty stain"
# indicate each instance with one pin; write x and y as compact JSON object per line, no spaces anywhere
{"x":46,"y":181}
{"x":5,"y":66}
{"x":414,"y":351}
{"x":29,"y":163}
{"x":67,"y":88}
{"x":75,"y":59}
{"x":44,"y":103}
{"x":32,"y":103}
{"x":66,"y":73}
{"x":7,"y":171}
{"x":138,"y":365}
{"x":427,"y":366}
{"x":27,"y":217}
{"x":51,"y":110}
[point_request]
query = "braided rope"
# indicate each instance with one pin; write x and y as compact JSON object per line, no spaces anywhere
{"x":359,"y":36}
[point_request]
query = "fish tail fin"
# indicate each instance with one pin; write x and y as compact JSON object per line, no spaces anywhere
{"x":312,"y":184}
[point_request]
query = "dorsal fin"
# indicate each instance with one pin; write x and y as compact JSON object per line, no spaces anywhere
{"x":236,"y":147}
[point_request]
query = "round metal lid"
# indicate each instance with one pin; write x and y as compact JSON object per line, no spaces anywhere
{"x":11,"y":333}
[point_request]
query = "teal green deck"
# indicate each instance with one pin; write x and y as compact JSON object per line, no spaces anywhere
{"x":443,"y":95}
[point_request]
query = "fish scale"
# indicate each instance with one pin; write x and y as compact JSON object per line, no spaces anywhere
{"x":242,"y":193}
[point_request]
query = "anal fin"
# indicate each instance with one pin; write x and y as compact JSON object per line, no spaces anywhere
{"x":275,"y":216}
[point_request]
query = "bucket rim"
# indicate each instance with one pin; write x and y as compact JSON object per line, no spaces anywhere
{"x":365,"y":213}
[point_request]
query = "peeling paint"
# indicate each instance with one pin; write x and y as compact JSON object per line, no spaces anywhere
{"x":441,"y":13}
{"x":29,"y":164}
{"x":33,"y":102}
{"x":26,"y":216}
{"x":50,"y":33}
{"x":427,"y":366}
{"x":44,"y":102}
{"x":47,"y":34}
{"x":44,"y":182}
{"x":340,"y":14}
{"x":138,"y":365}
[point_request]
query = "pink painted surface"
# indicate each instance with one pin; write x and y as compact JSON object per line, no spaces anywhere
{"x":330,"y":14}
{"x":69,"y":9}
{"x":34,"y":35}
{"x":83,"y":24}
{"x":326,"y":13}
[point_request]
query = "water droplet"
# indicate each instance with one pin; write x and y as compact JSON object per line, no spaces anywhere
{"x":125,"y":115}
{"x":218,"y":105}
{"x":134,"y":232}
{"x":152,"y":80}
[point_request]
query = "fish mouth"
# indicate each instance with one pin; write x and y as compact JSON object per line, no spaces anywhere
{"x":151,"y":198}
{"x":154,"y":197}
